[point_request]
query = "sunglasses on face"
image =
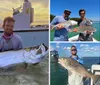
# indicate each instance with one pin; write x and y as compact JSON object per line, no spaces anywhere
{"x":73,"y":50}
{"x":67,"y":13}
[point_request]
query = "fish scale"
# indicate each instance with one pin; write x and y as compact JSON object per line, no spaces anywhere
{"x":85,"y":28}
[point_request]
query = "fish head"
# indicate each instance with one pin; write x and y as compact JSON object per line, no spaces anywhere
{"x":73,"y":22}
{"x":64,"y":62}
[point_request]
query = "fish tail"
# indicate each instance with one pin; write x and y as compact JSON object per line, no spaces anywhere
{"x":96,"y":79}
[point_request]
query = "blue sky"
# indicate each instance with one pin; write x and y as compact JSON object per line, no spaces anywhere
{"x":92,"y":7}
{"x":84,"y":49}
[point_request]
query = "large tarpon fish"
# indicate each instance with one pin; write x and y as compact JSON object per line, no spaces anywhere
{"x":84,"y":28}
{"x":73,"y":66}
{"x":65,"y":24}
{"x":29,"y":55}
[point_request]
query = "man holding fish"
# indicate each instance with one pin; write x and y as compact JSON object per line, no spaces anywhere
{"x":73,"y":78}
{"x":9,"y":40}
{"x":76,"y":70}
{"x":61,"y":26}
{"x":85,"y":36}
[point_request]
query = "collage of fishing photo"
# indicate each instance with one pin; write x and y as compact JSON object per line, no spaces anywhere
{"x":24,"y":42}
{"x":74,"y":42}
{"x":49,"y":42}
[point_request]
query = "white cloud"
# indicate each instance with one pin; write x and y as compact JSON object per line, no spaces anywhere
{"x":67,"y":48}
{"x":87,"y":48}
{"x":57,"y":45}
{"x":84,"y":45}
{"x":52,"y":48}
{"x":96,"y":48}
{"x":74,"y":44}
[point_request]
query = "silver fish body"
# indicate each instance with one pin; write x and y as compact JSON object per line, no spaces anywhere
{"x":73,"y":66}
{"x":29,"y":55}
{"x":65,"y":24}
{"x":85,"y":28}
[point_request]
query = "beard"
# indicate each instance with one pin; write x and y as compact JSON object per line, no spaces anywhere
{"x":8,"y":33}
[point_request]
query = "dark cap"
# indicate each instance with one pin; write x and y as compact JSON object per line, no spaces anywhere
{"x":66,"y":10}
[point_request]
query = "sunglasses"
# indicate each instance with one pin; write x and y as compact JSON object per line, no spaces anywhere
{"x":67,"y":13}
{"x":73,"y":50}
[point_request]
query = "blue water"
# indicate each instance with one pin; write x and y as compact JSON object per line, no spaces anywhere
{"x":59,"y":75}
{"x":88,"y":61}
{"x":97,"y":33}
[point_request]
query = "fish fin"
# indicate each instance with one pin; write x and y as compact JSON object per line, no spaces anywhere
{"x":46,"y":48}
{"x":40,"y":49}
{"x":96,"y":79}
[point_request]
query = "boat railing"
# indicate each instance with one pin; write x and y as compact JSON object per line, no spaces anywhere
{"x":95,"y":69}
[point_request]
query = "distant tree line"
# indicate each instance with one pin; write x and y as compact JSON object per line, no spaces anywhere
{"x":52,"y":16}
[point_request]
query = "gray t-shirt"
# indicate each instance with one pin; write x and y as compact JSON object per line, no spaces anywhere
{"x":85,"y":22}
{"x":14,"y":43}
{"x":62,"y":33}
{"x":85,"y":36}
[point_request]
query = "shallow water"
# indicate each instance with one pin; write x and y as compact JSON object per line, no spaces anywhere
{"x":34,"y":75}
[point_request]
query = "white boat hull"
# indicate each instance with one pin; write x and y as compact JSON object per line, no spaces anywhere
{"x":75,"y":38}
